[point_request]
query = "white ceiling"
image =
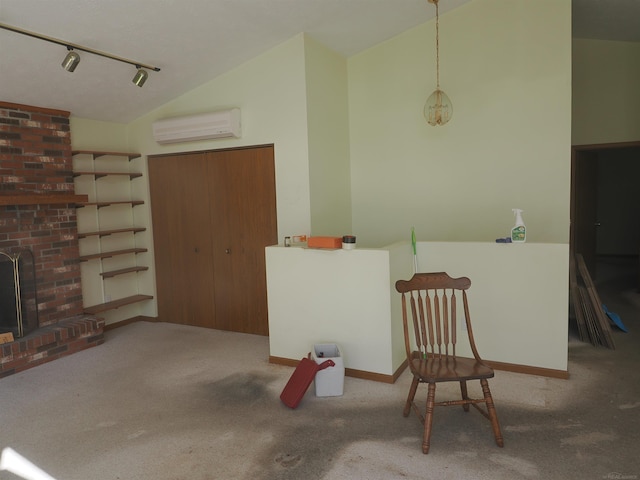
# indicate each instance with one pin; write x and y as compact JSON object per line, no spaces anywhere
{"x":193,"y":41}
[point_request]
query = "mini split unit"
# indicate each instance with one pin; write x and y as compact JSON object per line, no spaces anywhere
{"x":206,"y":126}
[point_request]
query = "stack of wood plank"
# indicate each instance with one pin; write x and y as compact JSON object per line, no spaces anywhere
{"x":593,"y":324}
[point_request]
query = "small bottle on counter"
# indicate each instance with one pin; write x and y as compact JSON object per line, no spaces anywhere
{"x":519,"y":231}
{"x":348,"y":242}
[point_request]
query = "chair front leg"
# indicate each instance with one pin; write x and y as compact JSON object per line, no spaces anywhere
{"x":491,"y":410}
{"x":428,"y":418}
{"x":412,"y":394}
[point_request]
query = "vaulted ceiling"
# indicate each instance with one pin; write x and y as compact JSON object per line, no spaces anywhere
{"x":193,"y":41}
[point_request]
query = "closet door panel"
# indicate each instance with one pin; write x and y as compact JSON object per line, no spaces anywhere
{"x":180,"y":206}
{"x":243,"y":222}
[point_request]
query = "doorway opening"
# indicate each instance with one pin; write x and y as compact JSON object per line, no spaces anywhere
{"x":605,"y":211}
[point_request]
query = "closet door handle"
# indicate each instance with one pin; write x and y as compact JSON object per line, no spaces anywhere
{"x":227,"y":251}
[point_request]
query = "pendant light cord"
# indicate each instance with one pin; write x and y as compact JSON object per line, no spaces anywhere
{"x":437,"y":47}
{"x":438,"y":109}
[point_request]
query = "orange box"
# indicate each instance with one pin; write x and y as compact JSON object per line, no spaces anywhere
{"x":324,"y":242}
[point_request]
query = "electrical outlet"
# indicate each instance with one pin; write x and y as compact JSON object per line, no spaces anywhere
{"x":107,"y":298}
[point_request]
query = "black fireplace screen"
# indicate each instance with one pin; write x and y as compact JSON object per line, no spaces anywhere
{"x":18,"y":301}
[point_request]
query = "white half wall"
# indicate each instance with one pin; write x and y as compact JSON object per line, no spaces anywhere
{"x":331,"y":296}
{"x":518,"y":301}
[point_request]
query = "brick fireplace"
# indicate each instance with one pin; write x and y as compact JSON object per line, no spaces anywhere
{"x":37,"y":213}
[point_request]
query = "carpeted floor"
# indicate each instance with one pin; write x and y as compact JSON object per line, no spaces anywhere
{"x":164,"y":401}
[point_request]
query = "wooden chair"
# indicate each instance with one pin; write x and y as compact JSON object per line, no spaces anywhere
{"x":431,"y":334}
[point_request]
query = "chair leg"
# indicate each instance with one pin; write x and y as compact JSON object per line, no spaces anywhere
{"x":465,"y":395}
{"x":428,"y":418}
{"x":491,"y":410}
{"x":412,"y":394}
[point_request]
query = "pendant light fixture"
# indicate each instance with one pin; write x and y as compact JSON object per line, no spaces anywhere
{"x":438,"y":109}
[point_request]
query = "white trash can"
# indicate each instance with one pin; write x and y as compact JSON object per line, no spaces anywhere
{"x":330,"y":381}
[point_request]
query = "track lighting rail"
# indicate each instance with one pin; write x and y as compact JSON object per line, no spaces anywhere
{"x":75,"y":46}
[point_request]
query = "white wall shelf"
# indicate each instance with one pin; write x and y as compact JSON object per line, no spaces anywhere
{"x":110,"y":247}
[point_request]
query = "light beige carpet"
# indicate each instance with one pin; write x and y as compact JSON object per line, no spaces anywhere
{"x":163,"y":401}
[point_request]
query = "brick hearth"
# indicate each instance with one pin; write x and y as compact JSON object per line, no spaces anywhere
{"x":51,"y":342}
{"x":37,"y":212}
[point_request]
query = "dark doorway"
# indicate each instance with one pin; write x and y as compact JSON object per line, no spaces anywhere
{"x":605,"y":208}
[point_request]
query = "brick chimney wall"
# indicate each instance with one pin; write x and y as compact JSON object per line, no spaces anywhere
{"x":35,"y":157}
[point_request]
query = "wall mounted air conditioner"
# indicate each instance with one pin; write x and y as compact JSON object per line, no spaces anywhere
{"x":205,"y":126}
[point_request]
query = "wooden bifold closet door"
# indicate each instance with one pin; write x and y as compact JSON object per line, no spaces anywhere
{"x":213,"y":214}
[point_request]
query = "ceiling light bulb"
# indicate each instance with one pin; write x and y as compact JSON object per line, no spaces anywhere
{"x":71,"y":61}
{"x":140,"y":77}
{"x":438,"y":109}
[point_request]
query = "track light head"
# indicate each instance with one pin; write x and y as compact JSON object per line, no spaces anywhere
{"x":140,"y":77}
{"x":71,"y":61}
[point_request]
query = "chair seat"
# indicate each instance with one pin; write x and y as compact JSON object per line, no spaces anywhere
{"x":447,"y":369}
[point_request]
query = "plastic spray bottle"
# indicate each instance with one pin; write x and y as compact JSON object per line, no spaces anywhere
{"x":519,"y":231}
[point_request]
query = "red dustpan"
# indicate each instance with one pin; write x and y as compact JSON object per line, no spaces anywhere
{"x":300,"y":380}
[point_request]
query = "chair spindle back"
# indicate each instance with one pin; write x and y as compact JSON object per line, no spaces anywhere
{"x":431,"y":301}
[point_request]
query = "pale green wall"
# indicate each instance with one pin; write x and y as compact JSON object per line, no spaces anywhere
{"x":606,"y":93}
{"x":507,"y":146}
{"x":270,"y":92}
{"x":96,"y":135}
{"x":328,"y":123}
{"x":506,"y":65}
